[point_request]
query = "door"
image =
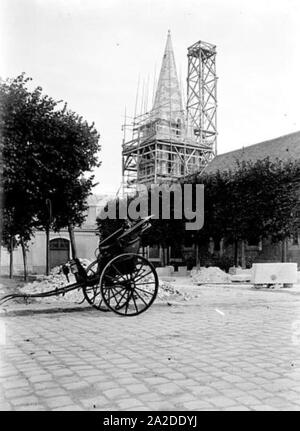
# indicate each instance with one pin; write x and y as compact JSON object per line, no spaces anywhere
{"x":59,"y":251}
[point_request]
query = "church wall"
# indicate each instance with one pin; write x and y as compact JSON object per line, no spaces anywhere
{"x":86,"y":243}
{"x":85,"y":238}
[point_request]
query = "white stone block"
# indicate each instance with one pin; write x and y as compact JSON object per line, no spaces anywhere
{"x":172,"y":269}
{"x":164,"y":271}
{"x":182,"y":271}
{"x":274,"y":273}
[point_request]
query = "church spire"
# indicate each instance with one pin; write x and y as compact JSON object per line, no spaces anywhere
{"x":168,"y":102}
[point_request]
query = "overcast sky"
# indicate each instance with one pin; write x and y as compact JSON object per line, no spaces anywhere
{"x":90,"y":53}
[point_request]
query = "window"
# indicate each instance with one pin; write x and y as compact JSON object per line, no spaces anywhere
{"x":253,"y":242}
{"x":59,"y":244}
{"x":154,"y":251}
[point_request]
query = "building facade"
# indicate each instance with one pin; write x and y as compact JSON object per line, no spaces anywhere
{"x":60,"y":246}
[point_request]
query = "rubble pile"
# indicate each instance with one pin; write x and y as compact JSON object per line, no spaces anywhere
{"x":55,"y":280}
{"x":211,"y":275}
{"x":167,"y":290}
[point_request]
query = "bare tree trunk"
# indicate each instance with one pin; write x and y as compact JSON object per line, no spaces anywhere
{"x":243,"y":257}
{"x":24,"y":259}
{"x":197,"y":255}
{"x":284,"y":250}
{"x":0,"y":227}
{"x":162,"y":255}
{"x":72,"y":240}
{"x":236,"y":254}
{"x":47,"y":250}
{"x":221,"y":247}
{"x":11,"y":257}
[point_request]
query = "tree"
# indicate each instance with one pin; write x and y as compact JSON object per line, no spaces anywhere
{"x":270,"y":192}
{"x":71,"y":147}
{"x":253,"y":200}
{"x":48,"y":152}
{"x":15,"y":131}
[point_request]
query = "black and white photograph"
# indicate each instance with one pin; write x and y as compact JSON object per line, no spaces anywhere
{"x":149,"y":208}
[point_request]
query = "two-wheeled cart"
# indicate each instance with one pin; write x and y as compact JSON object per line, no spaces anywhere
{"x":119,"y":280}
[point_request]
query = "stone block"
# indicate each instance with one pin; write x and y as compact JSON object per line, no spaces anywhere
{"x":274,"y":273}
{"x":164,"y":271}
{"x":182,"y":271}
{"x":172,"y":269}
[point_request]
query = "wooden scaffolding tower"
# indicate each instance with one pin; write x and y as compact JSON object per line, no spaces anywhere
{"x":202,"y":97}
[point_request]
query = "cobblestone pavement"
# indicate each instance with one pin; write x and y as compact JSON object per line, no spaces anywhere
{"x":229,"y":349}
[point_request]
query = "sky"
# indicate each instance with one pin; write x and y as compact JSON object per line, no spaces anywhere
{"x":93,"y":53}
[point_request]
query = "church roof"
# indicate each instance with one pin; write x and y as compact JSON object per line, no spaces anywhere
{"x":168,"y":102}
{"x":284,"y":148}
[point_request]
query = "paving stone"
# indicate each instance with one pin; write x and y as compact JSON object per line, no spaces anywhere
{"x":137,"y":389}
{"x":197,"y":405}
{"x":52,"y":392}
{"x":204,"y":391}
{"x":168,"y":388}
{"x":111,"y":384}
{"x":29,"y":399}
{"x":95,"y":402}
{"x":155,"y":380}
{"x":129,"y":403}
{"x":58,"y":401}
{"x":75,"y":385}
{"x":153,"y":396}
{"x":69,"y":408}
{"x":115,"y":393}
{"x":221,"y":401}
{"x":16,"y":393}
{"x":44,"y":385}
{"x":16,"y":384}
{"x":31,"y":407}
{"x":161,"y":406}
{"x":40,"y":378}
{"x":247,"y":400}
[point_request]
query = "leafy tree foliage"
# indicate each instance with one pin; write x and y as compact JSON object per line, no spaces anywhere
{"x":47,"y":152}
{"x":253,"y":200}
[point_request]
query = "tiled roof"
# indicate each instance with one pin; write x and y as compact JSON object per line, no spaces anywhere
{"x":285,"y":148}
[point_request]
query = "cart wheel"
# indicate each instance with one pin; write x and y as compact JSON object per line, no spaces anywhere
{"x":92,"y":293}
{"x":129,"y":284}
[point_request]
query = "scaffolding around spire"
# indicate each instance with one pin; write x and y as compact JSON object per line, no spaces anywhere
{"x":164,"y":143}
